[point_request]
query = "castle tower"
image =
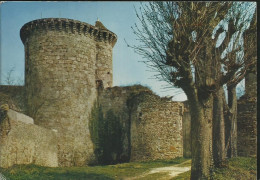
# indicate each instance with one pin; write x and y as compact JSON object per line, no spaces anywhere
{"x":104,"y":63}
{"x":64,"y":59}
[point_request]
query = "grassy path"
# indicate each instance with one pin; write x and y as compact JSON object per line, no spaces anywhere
{"x":167,"y":172}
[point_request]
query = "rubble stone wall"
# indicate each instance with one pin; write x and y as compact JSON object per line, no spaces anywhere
{"x":247,"y":127}
{"x":116,"y":99}
{"x":26,"y":143}
{"x":104,"y":64}
{"x":152,"y":125}
{"x":60,"y":80}
{"x":156,"y":128}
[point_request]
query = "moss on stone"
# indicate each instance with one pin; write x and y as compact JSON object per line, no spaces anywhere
{"x":106,"y":134}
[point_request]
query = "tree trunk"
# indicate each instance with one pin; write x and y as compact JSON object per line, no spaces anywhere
{"x":232,"y":123}
{"x":218,"y":129}
{"x":201,"y":138}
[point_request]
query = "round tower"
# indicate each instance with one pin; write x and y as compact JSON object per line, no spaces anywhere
{"x":60,"y":80}
{"x":104,"y":62}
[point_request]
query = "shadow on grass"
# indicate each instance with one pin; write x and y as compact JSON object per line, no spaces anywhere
{"x":59,"y":176}
{"x":79,"y":176}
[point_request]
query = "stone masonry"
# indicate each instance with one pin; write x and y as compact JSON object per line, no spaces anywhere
{"x":152,"y":125}
{"x":156,"y":128}
{"x":23,"y":142}
{"x":68,"y":70}
{"x":247,"y":117}
{"x":64,"y":59}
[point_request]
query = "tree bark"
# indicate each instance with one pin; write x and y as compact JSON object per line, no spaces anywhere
{"x":218,"y":134}
{"x":201,"y":137}
{"x":232,"y":123}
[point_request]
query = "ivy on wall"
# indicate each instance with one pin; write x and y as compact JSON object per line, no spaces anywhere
{"x":106,"y":135}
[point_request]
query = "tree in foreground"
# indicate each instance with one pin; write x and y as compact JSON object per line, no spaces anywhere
{"x":185,"y":43}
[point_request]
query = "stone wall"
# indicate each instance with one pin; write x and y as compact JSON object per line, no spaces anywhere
{"x":158,"y":135}
{"x":247,"y":116}
{"x":116,"y":99}
{"x":104,"y":64}
{"x":247,"y":127}
{"x":22,"y":142}
{"x":60,"y":80}
{"x":156,"y":128}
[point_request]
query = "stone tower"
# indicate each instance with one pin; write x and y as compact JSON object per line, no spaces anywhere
{"x":64,"y":61}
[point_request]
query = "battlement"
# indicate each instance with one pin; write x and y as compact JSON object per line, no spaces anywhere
{"x":69,"y":26}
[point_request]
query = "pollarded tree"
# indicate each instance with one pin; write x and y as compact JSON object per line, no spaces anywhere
{"x":176,"y":40}
{"x":238,"y":47}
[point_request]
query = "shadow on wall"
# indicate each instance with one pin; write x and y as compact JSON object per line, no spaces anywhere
{"x":106,"y":134}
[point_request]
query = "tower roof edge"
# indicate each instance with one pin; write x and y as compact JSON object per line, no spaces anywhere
{"x":66,"y":25}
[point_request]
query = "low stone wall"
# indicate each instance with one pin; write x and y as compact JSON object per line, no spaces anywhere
{"x":156,"y":128}
{"x":19,"y":117}
{"x":22,"y":142}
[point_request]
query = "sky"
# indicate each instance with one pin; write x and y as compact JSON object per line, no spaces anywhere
{"x":117,"y":16}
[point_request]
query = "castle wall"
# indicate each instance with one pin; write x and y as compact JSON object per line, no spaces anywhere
{"x":22,"y":142}
{"x":156,"y":129}
{"x":247,"y":127}
{"x":60,"y":83}
{"x":116,"y":99}
{"x":251,"y":84}
{"x":104,"y":64}
{"x":152,"y":125}
{"x":247,"y":116}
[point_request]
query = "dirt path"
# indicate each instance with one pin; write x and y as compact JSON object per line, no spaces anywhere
{"x":172,"y":171}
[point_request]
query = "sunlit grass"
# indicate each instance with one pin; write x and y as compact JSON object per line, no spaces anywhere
{"x":243,"y":168}
{"x":117,"y":171}
{"x":235,"y":168}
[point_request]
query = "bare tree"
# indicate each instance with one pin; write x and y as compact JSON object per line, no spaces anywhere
{"x":178,"y":41}
{"x":9,"y":79}
{"x":238,"y":57}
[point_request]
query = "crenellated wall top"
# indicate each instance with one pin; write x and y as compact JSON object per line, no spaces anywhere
{"x":69,"y":26}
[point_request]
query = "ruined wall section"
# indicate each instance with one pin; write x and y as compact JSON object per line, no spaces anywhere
{"x":152,"y":125}
{"x":116,"y":99}
{"x":156,"y":128}
{"x":247,"y":126}
{"x":22,"y":142}
{"x":60,"y":83}
{"x":247,"y":116}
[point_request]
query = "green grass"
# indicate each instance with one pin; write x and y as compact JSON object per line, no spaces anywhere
{"x":118,"y":171}
{"x":239,"y":168}
{"x":182,"y":176}
{"x":235,"y":168}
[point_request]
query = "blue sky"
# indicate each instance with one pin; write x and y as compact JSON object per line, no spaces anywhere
{"x":116,"y":16}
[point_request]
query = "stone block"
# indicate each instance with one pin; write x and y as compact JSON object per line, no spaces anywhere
{"x":26,"y":143}
{"x":16,"y":116}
